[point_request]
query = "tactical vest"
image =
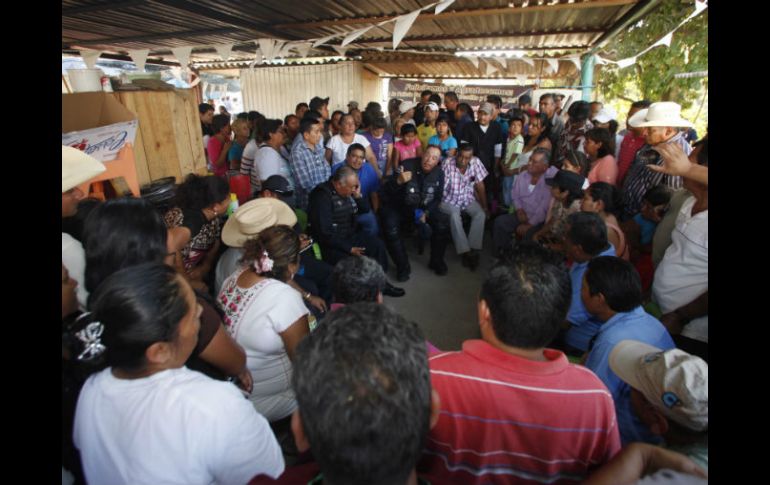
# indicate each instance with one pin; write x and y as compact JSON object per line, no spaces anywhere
{"x":344,"y":210}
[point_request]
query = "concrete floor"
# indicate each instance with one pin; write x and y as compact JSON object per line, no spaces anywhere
{"x":443,"y":306}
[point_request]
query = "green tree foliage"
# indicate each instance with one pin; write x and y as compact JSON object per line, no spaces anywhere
{"x":653,"y":74}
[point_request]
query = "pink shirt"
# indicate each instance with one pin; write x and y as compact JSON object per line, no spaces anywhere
{"x":407,"y":152}
{"x":604,"y":169}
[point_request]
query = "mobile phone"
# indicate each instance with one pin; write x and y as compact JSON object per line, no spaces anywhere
{"x":310,"y":245}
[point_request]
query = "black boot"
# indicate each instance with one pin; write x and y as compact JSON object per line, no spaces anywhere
{"x":391,"y":290}
{"x":438,"y":246}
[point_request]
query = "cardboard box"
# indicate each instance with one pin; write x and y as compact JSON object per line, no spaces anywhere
{"x":97,"y":124}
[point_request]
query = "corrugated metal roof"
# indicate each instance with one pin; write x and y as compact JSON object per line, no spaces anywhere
{"x":158,"y":25}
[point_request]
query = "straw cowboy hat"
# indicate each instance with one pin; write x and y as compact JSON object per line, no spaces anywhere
{"x":77,"y":167}
{"x":255,"y":216}
{"x":665,"y":113}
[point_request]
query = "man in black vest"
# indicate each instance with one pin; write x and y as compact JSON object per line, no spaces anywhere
{"x":332,"y":212}
{"x":415,"y":194}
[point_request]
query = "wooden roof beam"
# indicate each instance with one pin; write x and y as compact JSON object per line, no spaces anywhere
{"x":73,"y":11}
{"x":476,"y":12}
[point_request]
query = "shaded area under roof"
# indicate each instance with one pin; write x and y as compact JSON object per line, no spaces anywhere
{"x":545,"y":27}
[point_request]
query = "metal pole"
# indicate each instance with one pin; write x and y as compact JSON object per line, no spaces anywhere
{"x":587,"y":76}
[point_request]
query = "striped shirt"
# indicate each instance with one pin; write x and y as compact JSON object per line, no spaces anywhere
{"x":458,"y":187}
{"x":310,"y":169}
{"x":506,"y":419}
{"x":640,"y":179}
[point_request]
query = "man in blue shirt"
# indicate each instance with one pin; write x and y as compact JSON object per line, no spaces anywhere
{"x":612,"y":293}
{"x":586,"y":238}
{"x":370,"y":184}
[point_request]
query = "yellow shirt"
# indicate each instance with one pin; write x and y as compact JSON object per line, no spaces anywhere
{"x":424,"y":133}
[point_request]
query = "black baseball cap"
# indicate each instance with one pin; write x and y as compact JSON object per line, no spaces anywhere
{"x":316,"y":103}
{"x":280,"y":186}
{"x":571,"y":181}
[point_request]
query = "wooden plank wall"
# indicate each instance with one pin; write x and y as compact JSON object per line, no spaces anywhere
{"x":169,"y":141}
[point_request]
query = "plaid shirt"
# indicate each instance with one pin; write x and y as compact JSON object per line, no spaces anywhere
{"x":310,"y":169}
{"x":458,"y":187}
{"x":640,"y":179}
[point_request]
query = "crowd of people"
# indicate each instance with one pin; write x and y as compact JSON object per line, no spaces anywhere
{"x":202,"y":344}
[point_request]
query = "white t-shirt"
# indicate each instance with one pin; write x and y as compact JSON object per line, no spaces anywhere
{"x":73,"y":256}
{"x":682,"y":275}
{"x":256,"y":317}
{"x":177,"y":426}
{"x":340,"y":149}
{"x":228,"y":264}
{"x":270,"y":162}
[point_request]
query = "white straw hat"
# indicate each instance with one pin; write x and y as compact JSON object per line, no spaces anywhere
{"x":665,"y":113}
{"x":77,"y":167}
{"x":255,"y":216}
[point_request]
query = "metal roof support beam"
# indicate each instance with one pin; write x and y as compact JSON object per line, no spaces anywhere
{"x":71,"y":12}
{"x":433,"y":38}
{"x":639,"y":11}
{"x":118,"y":57}
{"x":461,"y":13}
{"x":169,"y":35}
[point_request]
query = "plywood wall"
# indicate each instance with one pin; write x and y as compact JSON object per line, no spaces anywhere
{"x":169,"y":141}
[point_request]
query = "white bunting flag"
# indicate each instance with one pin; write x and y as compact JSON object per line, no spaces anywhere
{"x":139,"y":56}
{"x":267,"y":46}
{"x":575,"y":59}
{"x":623,"y":63}
{"x":553,"y":64}
{"x":527,"y":60}
{"x":182,"y":55}
{"x":355,"y":35}
{"x":502,"y":62}
{"x":443,"y":6}
{"x":302,"y":48}
{"x":340,"y":50}
{"x":665,"y":40}
{"x":403,"y":24}
{"x":195,"y":79}
{"x":324,"y":40}
{"x":224,"y":51}
{"x":89,"y":57}
{"x":474,"y":60}
{"x":700,"y":6}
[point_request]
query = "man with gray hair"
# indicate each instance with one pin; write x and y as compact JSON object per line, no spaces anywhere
{"x":531,"y":197}
{"x":332,"y":213}
{"x":357,"y":279}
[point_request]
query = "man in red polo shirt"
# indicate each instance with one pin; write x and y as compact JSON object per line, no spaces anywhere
{"x":632,"y":141}
{"x":510,"y":408}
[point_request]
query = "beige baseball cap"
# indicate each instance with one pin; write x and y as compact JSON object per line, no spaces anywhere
{"x":673,"y":381}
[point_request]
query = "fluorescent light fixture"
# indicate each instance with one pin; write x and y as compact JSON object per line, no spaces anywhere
{"x":491,"y":53}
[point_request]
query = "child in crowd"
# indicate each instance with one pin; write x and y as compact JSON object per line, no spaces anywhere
{"x":381,"y":142}
{"x":640,"y":229}
{"x":443,"y":138}
{"x":577,"y":162}
{"x":408,"y":147}
{"x":605,"y":200}
{"x":515,"y":146}
{"x":567,"y":193}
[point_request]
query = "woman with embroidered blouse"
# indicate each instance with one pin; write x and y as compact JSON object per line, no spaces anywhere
{"x":267,"y":317}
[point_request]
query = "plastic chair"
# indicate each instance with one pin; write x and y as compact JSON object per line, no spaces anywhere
{"x":240,"y":185}
{"x":123,"y":166}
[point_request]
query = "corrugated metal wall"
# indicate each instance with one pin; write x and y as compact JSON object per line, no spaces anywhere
{"x":275,"y":91}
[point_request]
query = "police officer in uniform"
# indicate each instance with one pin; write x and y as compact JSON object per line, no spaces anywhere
{"x":332,"y":212}
{"x":415,"y":194}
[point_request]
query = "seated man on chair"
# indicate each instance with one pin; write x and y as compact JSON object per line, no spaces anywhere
{"x":464,"y":192}
{"x":332,"y":213}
